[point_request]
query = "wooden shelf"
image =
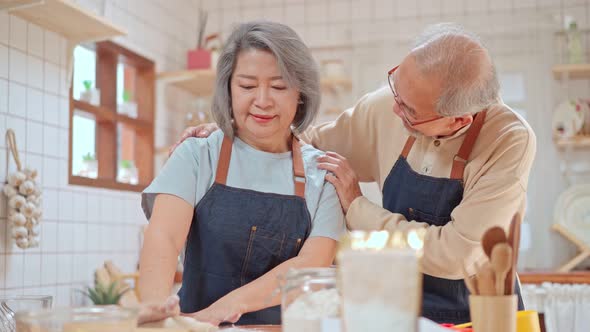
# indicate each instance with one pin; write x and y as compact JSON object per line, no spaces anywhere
{"x":572,"y":71}
{"x":103,"y":183}
{"x":13,"y":4}
{"x":200,"y":82}
{"x":574,"y":142}
{"x":539,"y":277}
{"x":67,"y":19}
{"x":104,"y":114}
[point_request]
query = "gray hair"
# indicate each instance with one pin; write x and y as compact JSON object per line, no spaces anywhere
{"x":295,"y":62}
{"x":462,"y":63}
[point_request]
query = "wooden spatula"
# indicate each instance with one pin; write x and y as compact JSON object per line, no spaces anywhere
{"x":514,"y":241}
{"x":501,"y":262}
{"x":492,"y":237}
{"x":485,"y":280}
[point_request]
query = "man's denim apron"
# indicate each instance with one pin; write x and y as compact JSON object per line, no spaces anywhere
{"x":431,"y":200}
{"x":237,"y":235}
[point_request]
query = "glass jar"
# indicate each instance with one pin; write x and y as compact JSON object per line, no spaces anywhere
{"x":310,"y":300}
{"x":87,"y":319}
{"x":381,"y":282}
{"x":14,"y":304}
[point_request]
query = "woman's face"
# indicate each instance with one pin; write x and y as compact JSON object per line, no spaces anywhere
{"x":263,"y":105}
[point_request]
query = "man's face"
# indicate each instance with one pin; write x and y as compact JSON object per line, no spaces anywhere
{"x":415,"y":101}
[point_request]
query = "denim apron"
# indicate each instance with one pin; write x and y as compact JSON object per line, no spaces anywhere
{"x":237,"y":235}
{"x":431,"y":200}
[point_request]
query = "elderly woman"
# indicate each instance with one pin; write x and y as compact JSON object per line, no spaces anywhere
{"x":248,"y":202}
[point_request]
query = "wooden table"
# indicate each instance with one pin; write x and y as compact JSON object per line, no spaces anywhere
{"x":253,"y":328}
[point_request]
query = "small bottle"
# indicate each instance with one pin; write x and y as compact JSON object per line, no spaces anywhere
{"x":575,"y":51}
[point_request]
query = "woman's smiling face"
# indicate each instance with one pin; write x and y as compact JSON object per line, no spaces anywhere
{"x":263,"y":105}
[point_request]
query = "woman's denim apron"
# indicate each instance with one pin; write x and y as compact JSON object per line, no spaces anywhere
{"x":237,"y":235}
{"x":431,"y":200}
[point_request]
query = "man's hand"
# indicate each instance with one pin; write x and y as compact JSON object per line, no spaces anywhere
{"x":153,"y":312}
{"x":201,"y":131}
{"x":224,"y":310}
{"x":344,"y":178}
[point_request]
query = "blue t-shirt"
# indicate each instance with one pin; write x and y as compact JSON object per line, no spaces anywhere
{"x":191,"y":169}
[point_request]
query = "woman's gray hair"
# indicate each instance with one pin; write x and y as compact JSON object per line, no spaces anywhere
{"x":463,"y":65}
{"x":297,"y":66}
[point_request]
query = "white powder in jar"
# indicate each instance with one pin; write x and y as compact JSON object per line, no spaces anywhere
{"x":308,"y":310}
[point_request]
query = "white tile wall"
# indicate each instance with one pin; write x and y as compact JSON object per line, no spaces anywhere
{"x":18,"y":66}
{"x":18,"y":33}
{"x":4,"y":28}
{"x":4,"y":63}
{"x":34,"y":104}
{"x":35,"y":40}
{"x":51,"y":75}
{"x":35,"y":72}
{"x":81,"y":227}
{"x":17,"y":99}
{"x":3,"y":96}
{"x":52,"y":47}
{"x":35,"y":137}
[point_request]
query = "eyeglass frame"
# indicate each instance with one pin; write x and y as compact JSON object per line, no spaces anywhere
{"x":403,"y":107}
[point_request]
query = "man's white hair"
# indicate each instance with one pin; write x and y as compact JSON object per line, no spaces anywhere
{"x":462,"y":64}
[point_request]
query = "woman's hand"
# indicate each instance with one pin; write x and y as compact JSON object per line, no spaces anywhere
{"x":227,"y":309}
{"x":153,"y":312}
{"x":201,"y":131}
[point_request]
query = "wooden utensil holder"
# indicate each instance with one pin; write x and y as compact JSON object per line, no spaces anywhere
{"x":493,"y":313}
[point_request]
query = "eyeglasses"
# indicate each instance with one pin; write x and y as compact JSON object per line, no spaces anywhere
{"x":402,"y":106}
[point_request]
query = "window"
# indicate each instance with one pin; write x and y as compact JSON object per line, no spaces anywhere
{"x":111,"y":118}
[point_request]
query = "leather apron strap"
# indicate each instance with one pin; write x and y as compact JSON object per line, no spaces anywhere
{"x":460,"y":159}
{"x":298,"y":169}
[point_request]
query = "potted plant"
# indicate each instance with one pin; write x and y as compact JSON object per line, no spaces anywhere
{"x":200,"y":58}
{"x":105,"y":294}
{"x":90,"y":94}
{"x":90,"y":165}
{"x":128,"y":106}
{"x":127,"y":172}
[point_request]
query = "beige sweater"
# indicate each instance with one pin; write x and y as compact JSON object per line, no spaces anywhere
{"x":372,"y":137}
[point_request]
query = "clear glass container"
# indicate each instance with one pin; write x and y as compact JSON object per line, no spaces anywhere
{"x":380,"y":280}
{"x":11,"y":305}
{"x":310,"y":299}
{"x":87,"y":319}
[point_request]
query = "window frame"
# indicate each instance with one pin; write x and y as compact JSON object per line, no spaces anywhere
{"x":108,"y":56}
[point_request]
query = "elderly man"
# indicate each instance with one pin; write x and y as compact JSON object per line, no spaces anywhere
{"x":446,"y":152}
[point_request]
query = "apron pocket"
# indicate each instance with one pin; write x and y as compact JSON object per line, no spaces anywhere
{"x":263,"y":253}
{"x":291,"y":248}
{"x":428,"y":218}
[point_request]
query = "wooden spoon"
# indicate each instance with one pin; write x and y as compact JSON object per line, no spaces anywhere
{"x":491,"y":237}
{"x":485,"y":280}
{"x":514,"y":241}
{"x":469,"y":282}
{"x":501,"y":263}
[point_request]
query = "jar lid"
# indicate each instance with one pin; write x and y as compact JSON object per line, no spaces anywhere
{"x":412,"y":239}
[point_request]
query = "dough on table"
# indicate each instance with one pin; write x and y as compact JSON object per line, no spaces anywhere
{"x":182,"y":322}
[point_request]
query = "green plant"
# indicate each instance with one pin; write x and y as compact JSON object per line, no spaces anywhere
{"x":126,"y":164}
{"x":104,"y":295}
{"x":88,"y":157}
{"x":126,"y":96}
{"x":87,"y":84}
